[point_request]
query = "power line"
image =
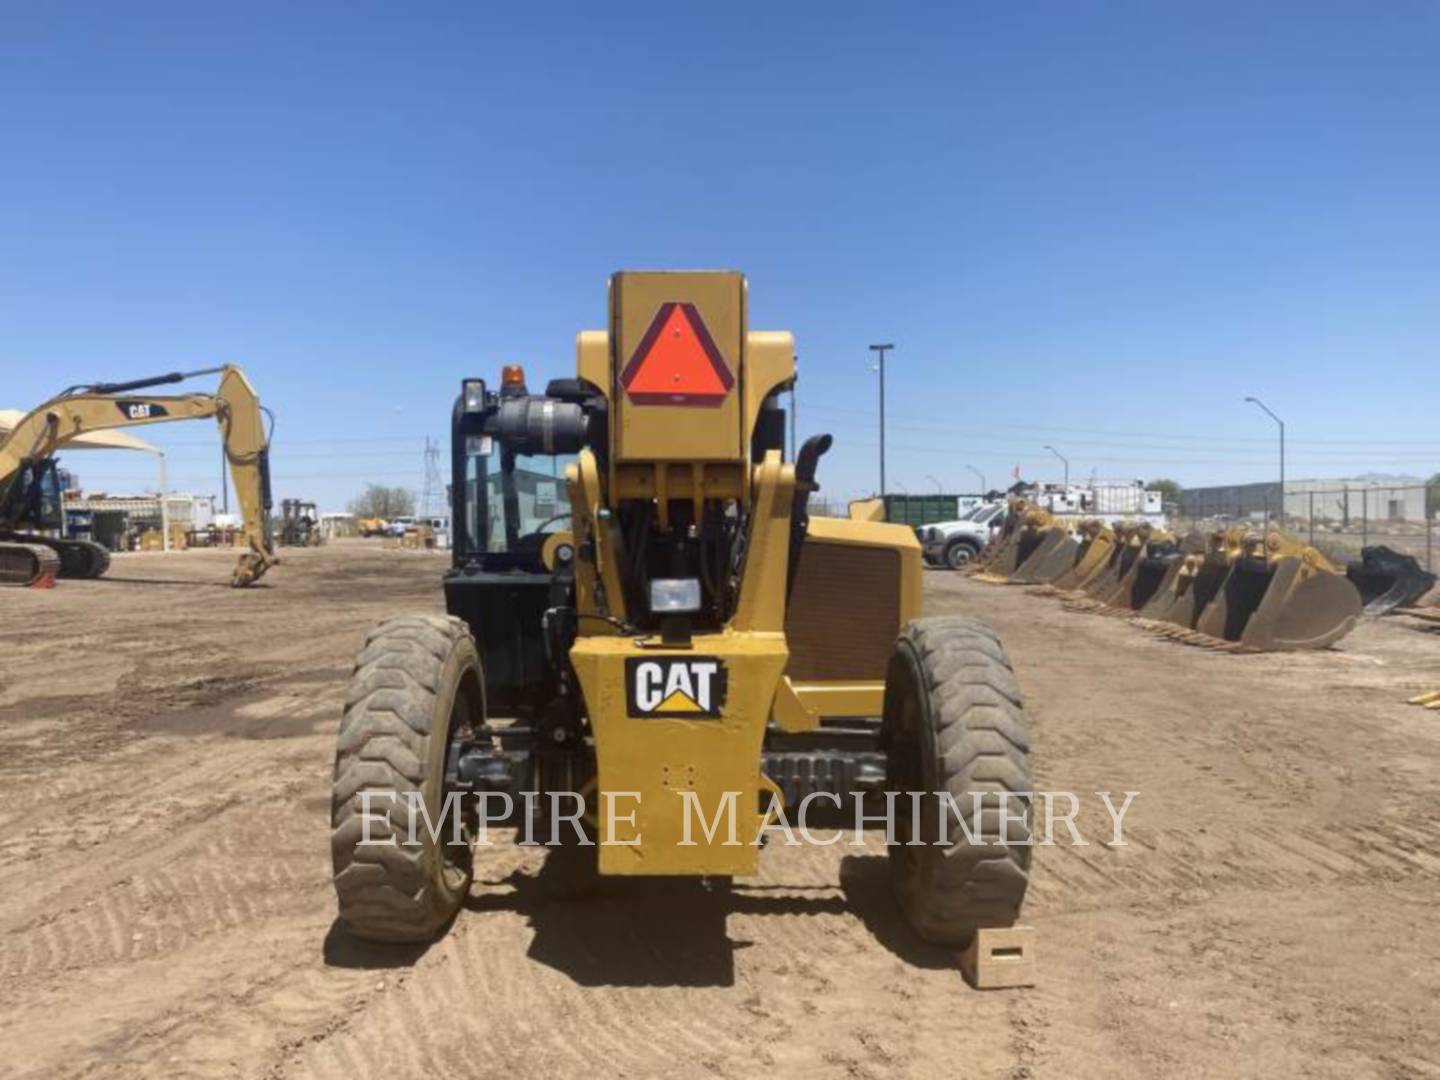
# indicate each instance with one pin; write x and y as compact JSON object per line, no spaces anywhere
{"x":1129,"y":444}
{"x":1209,"y":439}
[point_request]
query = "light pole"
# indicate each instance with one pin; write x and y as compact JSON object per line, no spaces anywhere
{"x":1261,"y":404}
{"x":1063,"y":459}
{"x":938,"y":489}
{"x":881,"y":350}
{"x":983,"y":487}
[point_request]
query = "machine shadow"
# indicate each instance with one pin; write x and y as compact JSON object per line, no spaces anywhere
{"x":190,"y":583}
{"x":634,"y":932}
{"x":654,"y":932}
{"x":341,"y":949}
{"x":865,"y":882}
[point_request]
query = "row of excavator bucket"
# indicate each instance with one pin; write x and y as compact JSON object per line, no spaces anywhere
{"x":1236,"y":589}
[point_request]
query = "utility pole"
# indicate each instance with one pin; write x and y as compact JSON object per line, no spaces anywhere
{"x":1261,"y":404}
{"x":984,"y":488}
{"x":1064,"y":460}
{"x":881,"y":350}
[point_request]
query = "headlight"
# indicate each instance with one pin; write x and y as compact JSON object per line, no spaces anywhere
{"x":473,"y":391}
{"x":674,"y":595}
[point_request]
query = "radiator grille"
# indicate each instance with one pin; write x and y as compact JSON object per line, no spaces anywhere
{"x":844,"y":612}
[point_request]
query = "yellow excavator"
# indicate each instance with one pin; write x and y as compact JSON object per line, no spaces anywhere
{"x":29,"y":487}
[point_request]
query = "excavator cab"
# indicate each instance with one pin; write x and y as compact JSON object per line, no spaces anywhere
{"x":32,"y":498}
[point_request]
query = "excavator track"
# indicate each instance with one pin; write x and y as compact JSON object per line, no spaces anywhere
{"x":73,"y":558}
{"x":27,"y":564}
{"x":81,"y":558}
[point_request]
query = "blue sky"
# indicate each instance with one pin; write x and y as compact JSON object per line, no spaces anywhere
{"x":1098,"y":226}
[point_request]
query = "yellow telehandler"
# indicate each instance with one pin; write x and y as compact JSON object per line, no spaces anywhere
{"x":29,"y":496}
{"x":641,"y":614}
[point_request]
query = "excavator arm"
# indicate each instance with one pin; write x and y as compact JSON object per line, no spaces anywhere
{"x":236,"y":407}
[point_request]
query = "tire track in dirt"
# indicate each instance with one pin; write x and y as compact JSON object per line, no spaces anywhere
{"x":1176,"y":860}
{"x":202,"y":892}
{"x":638,"y":1020}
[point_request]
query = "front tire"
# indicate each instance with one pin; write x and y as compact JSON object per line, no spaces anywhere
{"x":416,"y":688}
{"x":953,"y":724}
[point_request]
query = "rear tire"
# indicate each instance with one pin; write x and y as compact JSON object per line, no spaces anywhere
{"x":415,"y":688}
{"x":954,"y":724}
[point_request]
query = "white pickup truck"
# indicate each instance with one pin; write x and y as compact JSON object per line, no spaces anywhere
{"x":955,"y":543}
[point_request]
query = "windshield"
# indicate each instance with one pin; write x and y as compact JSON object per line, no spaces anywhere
{"x":514,"y":511}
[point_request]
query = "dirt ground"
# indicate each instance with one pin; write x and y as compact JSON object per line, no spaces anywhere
{"x":165,"y":902}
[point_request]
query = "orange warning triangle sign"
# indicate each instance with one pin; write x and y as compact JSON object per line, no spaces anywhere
{"x":677,"y":362}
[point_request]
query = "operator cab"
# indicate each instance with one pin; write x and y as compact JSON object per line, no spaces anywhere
{"x":32,"y":499}
{"x":511,"y":557}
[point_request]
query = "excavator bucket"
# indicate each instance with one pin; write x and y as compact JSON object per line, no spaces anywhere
{"x":1281,"y":595}
{"x":1168,"y":565}
{"x":1107,"y":579}
{"x":1052,"y":555}
{"x":1001,"y":556}
{"x":1175,"y":594}
{"x":1158,"y":556}
{"x":1047,"y":548}
{"x":1007,"y":557}
{"x":1092,"y":555}
{"x":1108,"y":587}
{"x":1387,"y":579}
{"x":1203,"y":566}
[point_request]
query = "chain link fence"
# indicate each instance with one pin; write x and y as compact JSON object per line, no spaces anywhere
{"x":1337,"y":520}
